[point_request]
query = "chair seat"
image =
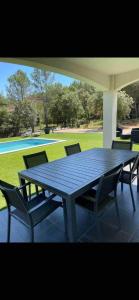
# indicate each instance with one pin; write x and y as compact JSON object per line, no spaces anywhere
{"x":36,"y":200}
{"x":126,"y":177}
{"x":38,"y":213}
{"x":44,"y":210}
{"x":88,"y":200}
{"x":125,"y":136}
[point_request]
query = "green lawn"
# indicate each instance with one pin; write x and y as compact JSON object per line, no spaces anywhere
{"x":12,"y":163}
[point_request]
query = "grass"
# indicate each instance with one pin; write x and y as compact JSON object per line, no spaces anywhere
{"x":12,"y":163}
{"x":95,"y":124}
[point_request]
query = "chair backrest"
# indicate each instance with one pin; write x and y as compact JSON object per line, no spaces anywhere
{"x":135,"y":135}
{"x":121,"y":145}
{"x":119,"y":129}
{"x":13,"y":196}
{"x":108,"y":184}
{"x":135,"y":164}
{"x":72,"y":149}
{"x":35,"y":159}
{"x":135,"y":128}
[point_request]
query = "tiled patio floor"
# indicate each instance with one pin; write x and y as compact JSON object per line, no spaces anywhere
{"x":52,"y":229}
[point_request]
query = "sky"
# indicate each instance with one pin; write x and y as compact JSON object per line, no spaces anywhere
{"x":7,"y":69}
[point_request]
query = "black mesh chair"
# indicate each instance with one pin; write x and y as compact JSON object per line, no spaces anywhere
{"x":72,"y":149}
{"x":128,"y":177}
{"x":119,"y":131}
{"x":135,"y":136}
{"x":121,"y":145}
{"x":96,"y":200}
{"x":29,"y":213}
{"x":33,"y":160}
{"x":135,"y":128}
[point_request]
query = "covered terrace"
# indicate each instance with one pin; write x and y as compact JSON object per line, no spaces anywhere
{"x":108,"y":75}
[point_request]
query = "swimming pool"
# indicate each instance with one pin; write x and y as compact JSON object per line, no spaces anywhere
{"x":6,"y":147}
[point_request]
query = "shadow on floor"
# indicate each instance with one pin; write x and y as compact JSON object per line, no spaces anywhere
{"x":51,"y":230}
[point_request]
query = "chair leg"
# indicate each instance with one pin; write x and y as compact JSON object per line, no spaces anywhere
{"x":9,"y":228}
{"x":122,"y":185}
{"x":65,"y":217}
{"x":117,"y":212}
{"x":43,"y":192}
{"x":37,"y":191}
{"x":29,"y":192}
{"x":137,"y":178}
{"x":32,"y":234}
{"x":132,"y":196}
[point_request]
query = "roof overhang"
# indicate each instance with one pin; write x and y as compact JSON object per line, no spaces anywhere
{"x":104,"y":73}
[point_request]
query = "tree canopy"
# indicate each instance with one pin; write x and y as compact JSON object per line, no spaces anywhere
{"x":18,"y":86}
{"x":39,"y":100}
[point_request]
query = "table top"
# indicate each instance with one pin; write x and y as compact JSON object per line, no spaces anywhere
{"x":73,"y":175}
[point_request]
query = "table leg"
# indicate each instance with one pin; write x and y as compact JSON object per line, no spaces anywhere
{"x":22,"y":182}
{"x":138,"y":179}
{"x":70,"y":219}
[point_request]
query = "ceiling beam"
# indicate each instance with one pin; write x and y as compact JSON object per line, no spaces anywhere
{"x":126,"y":78}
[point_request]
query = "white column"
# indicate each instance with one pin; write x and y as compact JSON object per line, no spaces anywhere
{"x":109,"y":117}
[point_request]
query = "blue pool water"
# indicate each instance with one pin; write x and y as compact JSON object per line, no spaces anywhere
{"x":6,"y":147}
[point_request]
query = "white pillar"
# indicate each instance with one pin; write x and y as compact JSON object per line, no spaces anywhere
{"x":109,"y":117}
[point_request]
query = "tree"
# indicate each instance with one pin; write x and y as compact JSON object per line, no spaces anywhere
{"x":28,"y":115}
{"x":54,"y":94}
{"x":97,"y":106}
{"x":3,"y":101}
{"x":3,"y":110}
{"x":18,"y":86}
{"x":40,"y":81}
{"x":65,"y":107}
{"x":133,"y":91}
{"x":86,"y":94}
{"x":71,"y":108}
{"x":125,"y":104}
{"x":3,"y":116}
{"x":23,"y":116}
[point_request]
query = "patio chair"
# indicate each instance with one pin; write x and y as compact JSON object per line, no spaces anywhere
{"x":135,"y":136}
{"x":128,"y":177}
{"x":121,"y":145}
{"x":28,"y":213}
{"x":119,"y":131}
{"x":135,"y":128}
{"x":33,"y":160}
{"x":125,"y":136}
{"x":96,"y":200}
{"x":72,"y":149}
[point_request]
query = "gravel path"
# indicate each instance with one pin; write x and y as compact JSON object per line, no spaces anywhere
{"x":77,"y":130}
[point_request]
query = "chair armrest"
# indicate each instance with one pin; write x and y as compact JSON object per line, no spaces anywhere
{"x":24,"y":185}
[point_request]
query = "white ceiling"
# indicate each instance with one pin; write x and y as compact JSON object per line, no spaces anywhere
{"x":106,"y":73}
{"x":105,"y":65}
{"x":110,"y":66}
